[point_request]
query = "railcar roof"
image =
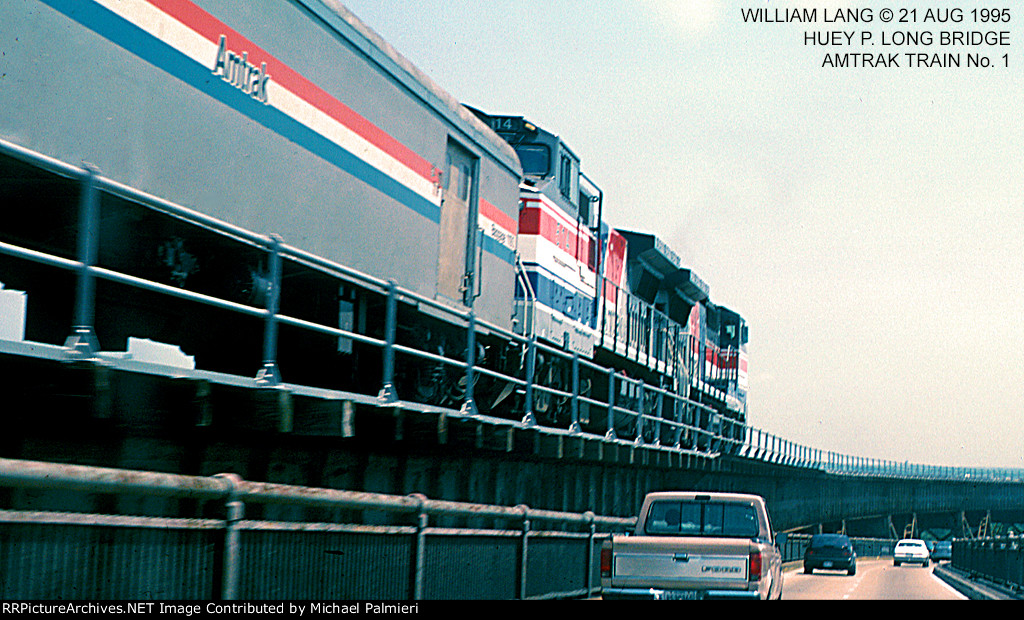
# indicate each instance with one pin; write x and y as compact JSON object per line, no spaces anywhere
{"x":337,"y":16}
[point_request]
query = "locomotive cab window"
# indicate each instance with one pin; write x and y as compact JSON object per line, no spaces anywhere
{"x":568,"y":181}
{"x":535,"y":159}
{"x":586,"y":213}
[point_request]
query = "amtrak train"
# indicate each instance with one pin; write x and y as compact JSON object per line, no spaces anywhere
{"x":215,"y":123}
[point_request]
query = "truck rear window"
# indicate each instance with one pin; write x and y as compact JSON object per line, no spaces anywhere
{"x":692,"y":518}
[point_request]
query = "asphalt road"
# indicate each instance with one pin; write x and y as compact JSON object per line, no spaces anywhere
{"x":876,"y":579}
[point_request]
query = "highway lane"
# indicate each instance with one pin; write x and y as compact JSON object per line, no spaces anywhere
{"x":876,"y":579}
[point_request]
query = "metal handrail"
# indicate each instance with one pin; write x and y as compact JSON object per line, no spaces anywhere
{"x":777,"y":449}
{"x":996,"y":559}
{"x":236,"y":492}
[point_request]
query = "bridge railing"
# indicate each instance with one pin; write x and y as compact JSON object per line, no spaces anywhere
{"x":578,"y":396}
{"x":631,"y":410}
{"x":764,"y":446}
{"x":1000,"y":560}
{"x":390,"y":550}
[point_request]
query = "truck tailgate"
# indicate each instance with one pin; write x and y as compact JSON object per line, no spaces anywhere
{"x":672,"y":562}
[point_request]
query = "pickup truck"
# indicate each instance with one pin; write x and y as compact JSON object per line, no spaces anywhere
{"x":693,"y":545}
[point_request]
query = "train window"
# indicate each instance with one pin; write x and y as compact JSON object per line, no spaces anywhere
{"x":567,"y":181}
{"x":460,"y":180}
{"x":535,"y":159}
{"x":465,"y":178}
{"x":584,"y":203}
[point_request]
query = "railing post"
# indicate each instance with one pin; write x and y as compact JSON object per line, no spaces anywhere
{"x":387,"y":393}
{"x":419,"y":549}
{"x":524,"y":550}
{"x":716,"y":432}
{"x":270,"y":374}
{"x":693,"y":432}
{"x":650,"y":334}
{"x":82,"y":343}
{"x":658,"y":409}
{"x":590,"y":552}
{"x":531,"y":370}
{"x":610,"y":432}
{"x":469,"y":404}
{"x":615,"y":324}
{"x":575,"y":427}
{"x":235,"y":510}
{"x":639,"y":439}
{"x":677,"y":415}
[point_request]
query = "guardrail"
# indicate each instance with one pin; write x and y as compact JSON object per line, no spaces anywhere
{"x":632,"y":411}
{"x":390,"y":553}
{"x":999,"y":560}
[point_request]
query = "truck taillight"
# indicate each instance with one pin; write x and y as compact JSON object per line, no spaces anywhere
{"x":606,"y":561}
{"x":755,"y":566}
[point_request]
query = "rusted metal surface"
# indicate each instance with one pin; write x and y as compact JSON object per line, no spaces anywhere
{"x":40,"y":475}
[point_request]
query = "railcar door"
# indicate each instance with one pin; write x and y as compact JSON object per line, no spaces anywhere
{"x":456,"y":257}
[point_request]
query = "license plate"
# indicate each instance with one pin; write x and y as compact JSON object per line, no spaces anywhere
{"x":682,"y":595}
{"x":827,"y":564}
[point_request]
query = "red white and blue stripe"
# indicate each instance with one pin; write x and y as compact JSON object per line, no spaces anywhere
{"x":556,"y":252}
{"x":183,"y":39}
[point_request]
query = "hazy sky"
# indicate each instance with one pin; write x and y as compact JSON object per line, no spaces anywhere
{"x":866,"y":221}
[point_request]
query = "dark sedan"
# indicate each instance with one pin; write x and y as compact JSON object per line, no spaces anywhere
{"x":942,"y":550}
{"x":832,"y":552}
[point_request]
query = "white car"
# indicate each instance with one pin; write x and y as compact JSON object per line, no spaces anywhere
{"x":911,"y":550}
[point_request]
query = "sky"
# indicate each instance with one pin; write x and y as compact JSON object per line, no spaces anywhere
{"x":866,"y":221}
